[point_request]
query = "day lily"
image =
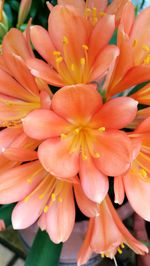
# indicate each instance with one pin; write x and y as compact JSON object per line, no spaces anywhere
{"x":107,"y":235}
{"x":93,"y":10}
{"x":82,"y":135}
{"x":74,"y":56}
{"x":142,"y":95}
{"x":137,"y":180}
{"x":133,"y":64}
{"x":24,"y":9}
{"x":44,"y":198}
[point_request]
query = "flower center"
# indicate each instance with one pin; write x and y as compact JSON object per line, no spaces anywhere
{"x":82,"y":140}
{"x":93,"y":15}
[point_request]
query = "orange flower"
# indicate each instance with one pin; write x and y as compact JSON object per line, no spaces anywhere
{"x":133,"y":64}
{"x":44,"y":198}
{"x":137,"y":180}
{"x":74,"y":56}
{"x":107,"y":235}
{"x":82,"y":136}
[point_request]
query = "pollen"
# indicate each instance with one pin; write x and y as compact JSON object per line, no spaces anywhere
{"x":87,"y":12}
{"x":53,"y":197}
{"x":63,"y":136}
{"x":65,"y":40}
{"x":59,"y":59}
{"x":56,"y":53}
{"x":84,"y":157}
{"x":102,"y":129}
{"x":135,"y":42}
{"x":119,"y":250}
{"x":82,"y":61}
{"x":146,"y":48}
{"x":143,"y":172}
{"x":102,"y":14}
{"x":41,"y":196}
{"x":122,"y":245}
{"x":102,"y":255}
{"x":147,"y":59}
{"x":60,"y":199}
{"x":46,"y":208}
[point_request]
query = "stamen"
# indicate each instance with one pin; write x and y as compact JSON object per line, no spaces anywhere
{"x":77,"y":130}
{"x":147,"y":59}
{"x":26,"y":199}
{"x":46,"y":208}
{"x":59,"y":59}
{"x":84,"y":157}
{"x":102,"y":255}
{"x":94,"y":11}
{"x":122,"y":245}
{"x":65,"y":40}
{"x":97,"y":155}
{"x":41,"y":196}
{"x":53,"y":196}
{"x":63,"y":136}
{"x":60,"y":199}
{"x":116,"y":264}
{"x":56,"y":53}
{"x":119,"y":250}
{"x":82,"y":61}
{"x":135,"y":42}
{"x":146,"y":48}
{"x":87,"y":12}
{"x":102,"y":129}
{"x":72,"y":67}
{"x":102,"y":13}
{"x":143,"y":172}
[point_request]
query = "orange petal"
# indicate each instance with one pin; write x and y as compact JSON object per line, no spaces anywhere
{"x":88,"y":207}
{"x":119,"y":189}
{"x":78,"y":4}
{"x":20,"y":154}
{"x":114,"y":148}
{"x":42,"y":43}
{"x":94,"y":183}
{"x":56,"y":159}
{"x":74,"y":101}
{"x":61,"y":217}
{"x":134,"y":185}
{"x":115,"y":118}
{"x":42,"y":70}
{"x":107,"y":23}
{"x":142,"y":95}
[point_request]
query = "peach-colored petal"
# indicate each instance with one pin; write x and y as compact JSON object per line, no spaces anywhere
{"x":43,"y":45}
{"x":117,"y":8}
{"x":50,"y":124}
{"x":115,"y":118}
{"x":7,"y":136}
{"x":56,"y":159}
{"x":78,"y":4}
{"x":20,"y":154}
{"x":94,"y":183}
{"x":24,"y":9}
{"x":99,"y":5}
{"x":119,"y":189}
{"x":104,"y":61}
{"x":61,"y":217}
{"x":142,"y":95}
{"x":114,"y":148}
{"x":88,"y":207}
{"x":41,"y":70}
{"x":107,"y":23}
{"x":74,"y":101}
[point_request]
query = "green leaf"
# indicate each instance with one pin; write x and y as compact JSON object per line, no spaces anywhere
{"x":43,"y":252}
{"x":5,"y":213}
{"x":138,"y":87}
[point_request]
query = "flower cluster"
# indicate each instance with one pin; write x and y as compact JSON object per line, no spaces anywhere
{"x":64,"y":147}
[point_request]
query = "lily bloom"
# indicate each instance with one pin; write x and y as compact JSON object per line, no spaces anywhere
{"x":142,"y":95}
{"x":107,"y":235}
{"x":45,"y":198}
{"x":137,"y":180}
{"x":82,"y":135}
{"x":133,"y":64}
{"x":74,"y":56}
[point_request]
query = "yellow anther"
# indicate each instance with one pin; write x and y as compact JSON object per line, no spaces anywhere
{"x":84,"y":157}
{"x":85,"y":47}
{"x":63,"y":136}
{"x":102,"y":13}
{"x":94,"y":11}
{"x":82,"y":61}
{"x":46,"y":208}
{"x":135,"y":42}
{"x":97,"y":155}
{"x":59,"y":59}
{"x":102,"y":255}
{"x":119,"y":250}
{"x":53,"y":196}
{"x":87,"y":12}
{"x":29,"y":180}
{"x":147,"y":59}
{"x":143,"y":172}
{"x":72,"y":67}
{"x":56,"y":53}
{"x":102,"y":129}
{"x":77,"y":130}
{"x":65,"y":40}
{"x":146,"y":48}
{"x":41,"y":196}
{"x":26,"y":199}
{"x":122,"y":245}
{"x":60,"y":199}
